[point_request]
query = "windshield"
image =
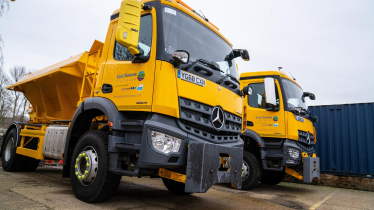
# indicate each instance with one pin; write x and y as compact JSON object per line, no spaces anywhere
{"x":293,"y":94}
{"x":182,"y":32}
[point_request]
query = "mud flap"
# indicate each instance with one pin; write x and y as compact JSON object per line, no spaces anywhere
{"x":209,"y":164}
{"x":311,"y":169}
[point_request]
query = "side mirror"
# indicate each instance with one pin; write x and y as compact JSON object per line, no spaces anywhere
{"x":129,"y":25}
{"x":270,"y":91}
{"x":310,"y":95}
{"x":247,"y":91}
{"x":181,"y":56}
{"x":242,"y":53}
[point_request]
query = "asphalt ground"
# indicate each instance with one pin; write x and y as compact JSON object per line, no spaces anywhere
{"x":45,"y":189}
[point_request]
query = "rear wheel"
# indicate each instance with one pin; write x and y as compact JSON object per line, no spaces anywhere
{"x":91,"y":180}
{"x":31,"y":164}
{"x":251,"y":171}
{"x":11,"y":161}
{"x":175,"y":187}
{"x":272,"y":177}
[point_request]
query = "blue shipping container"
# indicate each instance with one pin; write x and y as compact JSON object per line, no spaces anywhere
{"x":345,"y":138}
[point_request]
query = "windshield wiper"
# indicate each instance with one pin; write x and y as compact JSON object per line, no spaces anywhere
{"x":210,"y":65}
{"x":232,"y":77}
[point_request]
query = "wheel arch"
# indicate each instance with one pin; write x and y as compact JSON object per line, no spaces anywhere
{"x":250,"y":134}
{"x":81,"y":123}
{"x":253,"y":143}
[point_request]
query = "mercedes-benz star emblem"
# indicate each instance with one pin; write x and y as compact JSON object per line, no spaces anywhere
{"x":218,"y":118}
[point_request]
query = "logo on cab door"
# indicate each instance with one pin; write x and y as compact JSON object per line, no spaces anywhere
{"x":141,"y":76}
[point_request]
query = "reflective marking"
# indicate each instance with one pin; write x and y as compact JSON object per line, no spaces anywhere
{"x":322,"y":201}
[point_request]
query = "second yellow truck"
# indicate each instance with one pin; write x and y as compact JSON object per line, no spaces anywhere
{"x":278,"y":130}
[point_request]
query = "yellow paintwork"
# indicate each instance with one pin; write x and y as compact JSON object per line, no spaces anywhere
{"x":55,"y":91}
{"x":39,"y":134}
{"x":264,"y":122}
{"x":128,"y":28}
{"x":165,"y":99}
{"x":266,"y":73}
{"x":124,"y":96}
{"x":293,"y":173}
{"x":293,"y":126}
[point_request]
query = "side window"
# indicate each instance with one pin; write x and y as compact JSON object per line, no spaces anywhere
{"x":121,"y":53}
{"x":258,"y":97}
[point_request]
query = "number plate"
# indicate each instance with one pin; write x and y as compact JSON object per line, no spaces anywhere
{"x":191,"y":78}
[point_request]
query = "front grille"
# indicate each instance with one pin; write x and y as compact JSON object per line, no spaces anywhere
{"x":305,"y":147}
{"x":196,"y":119}
{"x":303,"y":137}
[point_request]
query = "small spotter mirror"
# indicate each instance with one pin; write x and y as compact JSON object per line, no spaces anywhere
{"x":242,"y":53}
{"x":245,"y":55}
{"x":310,"y":95}
{"x":247,"y":91}
{"x":181,"y":56}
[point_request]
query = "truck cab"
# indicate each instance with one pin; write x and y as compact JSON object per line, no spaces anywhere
{"x":159,"y":98}
{"x":277,"y":130}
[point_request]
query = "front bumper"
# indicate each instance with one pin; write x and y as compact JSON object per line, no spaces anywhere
{"x":203,"y":162}
{"x":276,"y":158}
{"x":210,"y":164}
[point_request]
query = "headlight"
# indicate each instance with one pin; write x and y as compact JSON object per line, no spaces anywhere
{"x":293,"y":153}
{"x":165,"y":143}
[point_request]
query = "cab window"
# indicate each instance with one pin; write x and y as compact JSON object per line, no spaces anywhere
{"x":121,"y":53}
{"x":258,"y":97}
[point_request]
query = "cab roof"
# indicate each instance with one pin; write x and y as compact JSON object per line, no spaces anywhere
{"x":244,"y":76}
{"x":180,"y":5}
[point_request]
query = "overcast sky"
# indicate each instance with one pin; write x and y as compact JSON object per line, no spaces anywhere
{"x":328,"y":45}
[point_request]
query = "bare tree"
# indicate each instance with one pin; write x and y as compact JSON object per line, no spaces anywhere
{"x":4,"y":6}
{"x":1,"y":53}
{"x":16,"y":73}
{"x":6,"y":100}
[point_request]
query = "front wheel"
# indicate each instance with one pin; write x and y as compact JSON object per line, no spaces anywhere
{"x":91,"y":180}
{"x":175,"y":187}
{"x":251,"y":171}
{"x":272,"y":177}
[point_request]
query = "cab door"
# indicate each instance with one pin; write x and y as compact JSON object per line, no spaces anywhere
{"x":130,"y":84}
{"x":265,"y":123}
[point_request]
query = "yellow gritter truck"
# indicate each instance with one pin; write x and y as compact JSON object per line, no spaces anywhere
{"x":159,"y":98}
{"x":277,"y":130}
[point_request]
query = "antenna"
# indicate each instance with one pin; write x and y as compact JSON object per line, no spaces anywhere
{"x":280,"y":68}
{"x":292,"y":76}
{"x":204,"y":16}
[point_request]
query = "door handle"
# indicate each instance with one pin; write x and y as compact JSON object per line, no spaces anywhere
{"x":107,"y":88}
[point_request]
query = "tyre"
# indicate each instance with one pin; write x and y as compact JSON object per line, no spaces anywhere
{"x":11,"y":161}
{"x":272,"y":177}
{"x":251,"y":171}
{"x":90,"y":178}
{"x":30,"y":164}
{"x":175,"y":187}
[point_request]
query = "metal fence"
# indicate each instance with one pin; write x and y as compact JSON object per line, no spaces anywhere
{"x":345,"y":138}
